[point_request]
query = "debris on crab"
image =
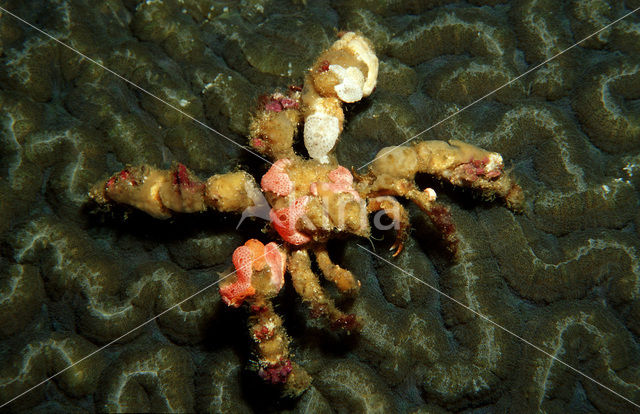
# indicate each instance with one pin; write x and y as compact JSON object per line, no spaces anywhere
{"x":312,"y":200}
{"x":346,"y":72}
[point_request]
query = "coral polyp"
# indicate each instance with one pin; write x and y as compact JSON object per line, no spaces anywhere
{"x":313,"y":200}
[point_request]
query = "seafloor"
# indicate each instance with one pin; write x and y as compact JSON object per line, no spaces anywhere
{"x":564,"y":274}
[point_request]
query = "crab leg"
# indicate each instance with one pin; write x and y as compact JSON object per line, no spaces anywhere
{"x":401,"y":187}
{"x":439,"y":214}
{"x":306,"y":283}
{"x":259,"y":277}
{"x":397,"y":213}
{"x":466,"y":165}
{"x":275,"y":124}
{"x":274,"y":362}
{"x":160,"y":193}
{"x":342,"y":278}
{"x":459,"y":163}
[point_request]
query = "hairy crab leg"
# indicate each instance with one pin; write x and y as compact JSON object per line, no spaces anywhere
{"x":461,"y":164}
{"x":306,"y":283}
{"x":160,"y":193}
{"x":470,"y":166}
{"x":342,"y":278}
{"x":439,"y":214}
{"x":275,"y":124}
{"x":396,"y":212}
{"x":259,"y":277}
{"x":274,"y":363}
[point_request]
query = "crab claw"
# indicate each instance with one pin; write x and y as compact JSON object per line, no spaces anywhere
{"x":397,"y":245}
{"x":401,"y":236}
{"x":394,"y":210}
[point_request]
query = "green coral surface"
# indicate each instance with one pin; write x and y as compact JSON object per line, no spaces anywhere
{"x":563,"y":275}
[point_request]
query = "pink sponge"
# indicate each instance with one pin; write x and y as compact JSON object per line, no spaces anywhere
{"x":284,"y":221}
{"x":253,"y":256}
{"x":341,"y":176}
{"x":235,"y":293}
{"x":277,"y":262}
{"x":341,"y":182}
{"x":276,"y":179}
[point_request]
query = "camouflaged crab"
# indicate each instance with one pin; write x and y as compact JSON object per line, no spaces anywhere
{"x":310,"y":201}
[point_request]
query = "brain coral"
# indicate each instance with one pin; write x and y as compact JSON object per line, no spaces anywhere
{"x":564,"y":275}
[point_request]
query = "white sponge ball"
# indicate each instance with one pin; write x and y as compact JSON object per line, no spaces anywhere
{"x":351,"y":83}
{"x":321,"y":132}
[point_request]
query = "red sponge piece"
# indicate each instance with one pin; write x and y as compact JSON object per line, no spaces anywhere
{"x":284,"y":221}
{"x":341,"y":176}
{"x":276,"y":179}
{"x":235,"y":293}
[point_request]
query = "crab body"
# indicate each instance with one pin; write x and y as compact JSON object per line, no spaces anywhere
{"x":313,"y":201}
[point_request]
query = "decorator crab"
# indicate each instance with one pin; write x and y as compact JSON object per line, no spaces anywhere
{"x":311,"y":200}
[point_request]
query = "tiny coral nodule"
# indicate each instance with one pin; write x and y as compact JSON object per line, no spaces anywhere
{"x":312,"y":200}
